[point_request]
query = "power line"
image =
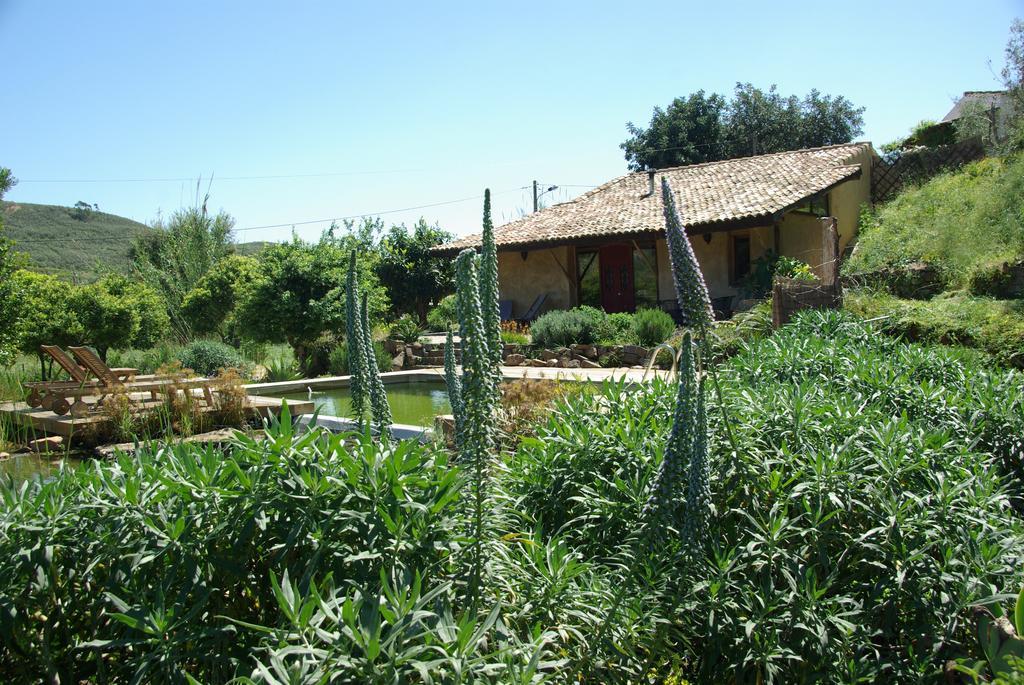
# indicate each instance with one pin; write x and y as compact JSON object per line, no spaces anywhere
{"x":219,"y":178}
{"x":332,"y":219}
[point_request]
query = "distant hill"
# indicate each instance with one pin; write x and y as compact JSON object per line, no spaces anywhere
{"x":76,"y":245}
{"x":75,"y":248}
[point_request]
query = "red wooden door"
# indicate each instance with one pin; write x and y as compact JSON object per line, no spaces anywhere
{"x":617,"y":293}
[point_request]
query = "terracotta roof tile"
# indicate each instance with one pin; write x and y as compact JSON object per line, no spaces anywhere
{"x":708,"y":194}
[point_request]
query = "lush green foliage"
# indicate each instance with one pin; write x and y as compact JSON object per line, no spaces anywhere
{"x":616,"y":329}
{"x":117,"y":311}
{"x":413,"y":276}
{"x":208,"y":357}
{"x":299,"y":294}
{"x":174,"y":256}
{"x":652,"y":326}
{"x":558,"y":328}
{"x":707,"y":128}
{"x":208,"y":308}
{"x":993,"y":326}
{"x":339,"y":359}
{"x":960,"y":222}
{"x":870,"y":503}
{"x":10,"y":294}
{"x":837,"y":556}
{"x":443,"y":316}
{"x":406,"y":329}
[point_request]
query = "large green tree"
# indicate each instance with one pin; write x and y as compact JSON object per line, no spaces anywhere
{"x":299,"y":293}
{"x":10,"y":298}
{"x":47,"y":317}
{"x":708,"y":128}
{"x":118,"y":312}
{"x":210,"y":306}
{"x":172,"y":258}
{"x":414,"y":277}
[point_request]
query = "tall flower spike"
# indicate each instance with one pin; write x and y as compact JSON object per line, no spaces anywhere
{"x":698,"y":491}
{"x":378,"y":397}
{"x":354,"y":342}
{"x":454,"y":385}
{"x":691,"y":290}
{"x":665,"y":501}
{"x":478,"y":399}
{"x":489,"y":288}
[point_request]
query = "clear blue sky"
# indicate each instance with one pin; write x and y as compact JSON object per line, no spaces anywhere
{"x":417,"y":103}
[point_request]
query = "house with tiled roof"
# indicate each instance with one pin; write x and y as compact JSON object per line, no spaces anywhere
{"x":607,"y":248}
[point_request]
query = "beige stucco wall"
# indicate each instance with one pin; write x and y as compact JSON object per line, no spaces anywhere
{"x":714,"y":259}
{"x":846,"y":200}
{"x":522,"y":281}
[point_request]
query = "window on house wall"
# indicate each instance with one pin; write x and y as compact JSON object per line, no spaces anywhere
{"x":588,"y":278}
{"x":645,"y":277}
{"x":817,"y":205}
{"x":740,"y":257}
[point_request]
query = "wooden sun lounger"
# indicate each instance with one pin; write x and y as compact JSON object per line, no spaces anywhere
{"x":58,"y":396}
{"x":42,"y":393}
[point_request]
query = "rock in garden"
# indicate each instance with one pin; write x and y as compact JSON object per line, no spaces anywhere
{"x":551,"y":363}
{"x":547,"y":355}
{"x":49,"y":444}
{"x":398,"y":362}
{"x":587,"y":364}
{"x":634,"y":351}
{"x":515,"y":360}
{"x":5,"y":455}
{"x":572,"y":364}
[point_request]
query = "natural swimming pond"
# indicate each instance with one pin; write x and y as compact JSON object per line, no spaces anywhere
{"x":414,"y":403}
{"x":22,"y":467}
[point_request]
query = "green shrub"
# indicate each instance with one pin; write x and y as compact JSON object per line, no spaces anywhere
{"x":406,"y":329}
{"x":281,"y":369}
{"x":821,"y":569}
{"x":188,"y":563}
{"x":616,"y":329}
{"x":995,"y":327}
{"x":338,"y":364}
{"x":207,"y":357}
{"x":652,"y":326}
{"x":514,"y":338}
{"x":750,"y":326}
{"x":443,"y":316}
{"x":789,"y":267}
{"x":560,"y":328}
{"x":870,"y":503}
{"x":145,"y":361}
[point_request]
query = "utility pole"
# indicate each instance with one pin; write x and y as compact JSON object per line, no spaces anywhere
{"x":535,"y":196}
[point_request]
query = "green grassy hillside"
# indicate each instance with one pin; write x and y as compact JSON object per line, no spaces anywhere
{"x":75,"y":245}
{"x":58,"y":242}
{"x":963,"y":223}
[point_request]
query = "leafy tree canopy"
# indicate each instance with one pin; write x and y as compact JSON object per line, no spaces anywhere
{"x":707,"y":128}
{"x":299,"y":292}
{"x":173,"y":258}
{"x":46,"y":317}
{"x":10,"y":298}
{"x":413,"y":276}
{"x":117,"y":311}
{"x":209,"y":306}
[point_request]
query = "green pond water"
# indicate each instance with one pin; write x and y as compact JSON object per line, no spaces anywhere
{"x":414,"y":404}
{"x":22,"y":467}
